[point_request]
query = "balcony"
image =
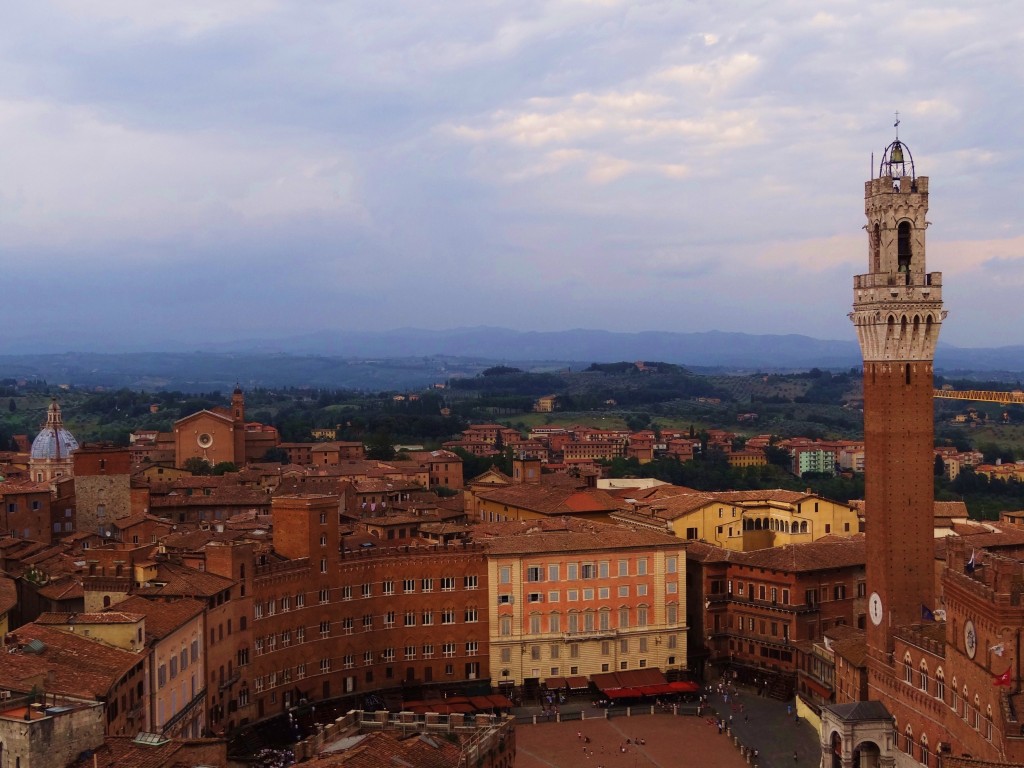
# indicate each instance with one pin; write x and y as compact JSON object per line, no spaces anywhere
{"x":590,"y":634}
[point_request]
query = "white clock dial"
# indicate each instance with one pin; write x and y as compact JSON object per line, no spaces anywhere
{"x":970,"y":639}
{"x":875,"y":608}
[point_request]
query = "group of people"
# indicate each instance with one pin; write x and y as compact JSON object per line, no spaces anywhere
{"x":623,"y":747}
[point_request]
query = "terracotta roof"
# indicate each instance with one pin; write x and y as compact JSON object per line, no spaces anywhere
{"x":824,"y":554}
{"x":176,"y":580}
{"x":108,"y":617}
{"x":67,"y":663}
{"x":547,"y":500}
{"x":124,"y":752}
{"x":854,"y":649}
{"x":163,"y":617}
{"x":567,"y":535}
{"x":387,"y":749}
{"x":8,"y":594}
{"x":63,"y":589}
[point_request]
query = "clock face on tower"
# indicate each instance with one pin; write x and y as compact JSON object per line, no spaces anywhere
{"x":875,"y":608}
{"x":970,"y":639}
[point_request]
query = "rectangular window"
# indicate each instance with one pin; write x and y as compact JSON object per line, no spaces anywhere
{"x":325,"y":596}
{"x":588,"y":594}
{"x":505,"y":574}
{"x":470,"y":582}
{"x":603,"y":593}
{"x":388,"y":587}
{"x":428,"y":651}
{"x":552,"y":597}
{"x":346,"y":592}
{"x":552,"y":573}
{"x":641,"y":590}
{"x":410,"y":618}
{"x":471,"y":615}
{"x":428,"y":618}
{"x":427,"y":585}
{"x":389,"y":619}
{"x":325,"y":629}
{"x":623,"y":567}
{"x":447,"y":583}
{"x":603,"y":569}
{"x":624,"y":590}
{"x":671,"y":564}
{"x":408,"y":585}
{"x":641,"y":566}
{"x":587,"y":571}
{"x":572,"y":595}
{"x":554,"y":623}
{"x":472,"y":648}
{"x":367,"y":590}
{"x":571,"y":571}
{"x":448,"y":616}
{"x":535,"y":573}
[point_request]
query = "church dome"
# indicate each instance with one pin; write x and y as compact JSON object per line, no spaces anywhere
{"x":53,"y":442}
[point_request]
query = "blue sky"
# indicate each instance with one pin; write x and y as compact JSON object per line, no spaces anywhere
{"x":203,"y":171}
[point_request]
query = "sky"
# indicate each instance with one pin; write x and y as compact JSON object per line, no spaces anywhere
{"x":210,"y":170}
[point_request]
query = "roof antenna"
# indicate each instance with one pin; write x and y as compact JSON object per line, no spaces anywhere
{"x":896,"y":125}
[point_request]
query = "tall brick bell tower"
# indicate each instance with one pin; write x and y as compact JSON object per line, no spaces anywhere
{"x":897,"y":311}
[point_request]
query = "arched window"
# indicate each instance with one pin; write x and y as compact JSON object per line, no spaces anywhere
{"x":903,"y":247}
{"x":908,"y":670}
{"x":940,"y":684}
{"x":925,"y":755}
{"x":967,"y":704}
{"x":876,"y":248}
{"x":988,"y":722}
{"x":803,"y":526}
{"x":106,"y":601}
{"x":922,"y":682}
{"x":955,"y":703}
{"x":977,"y":712}
{"x":908,"y":741}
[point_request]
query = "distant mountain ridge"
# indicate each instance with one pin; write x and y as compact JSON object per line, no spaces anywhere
{"x":699,"y":349}
{"x":410,"y":357}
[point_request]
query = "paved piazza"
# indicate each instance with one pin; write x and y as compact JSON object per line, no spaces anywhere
{"x":670,"y":741}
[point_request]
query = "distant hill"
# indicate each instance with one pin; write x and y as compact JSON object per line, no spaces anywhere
{"x":409,"y":358}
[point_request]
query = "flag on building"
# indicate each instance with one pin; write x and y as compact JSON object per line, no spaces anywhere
{"x":1003,"y":679}
{"x":970,"y":563}
{"x":927,"y":614}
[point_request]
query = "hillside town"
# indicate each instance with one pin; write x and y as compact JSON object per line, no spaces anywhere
{"x":227,"y":616}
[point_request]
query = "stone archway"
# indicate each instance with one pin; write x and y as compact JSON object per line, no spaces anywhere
{"x":858,"y":735}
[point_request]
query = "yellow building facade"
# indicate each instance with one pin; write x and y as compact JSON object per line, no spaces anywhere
{"x":746,"y":520}
{"x":587,"y":599}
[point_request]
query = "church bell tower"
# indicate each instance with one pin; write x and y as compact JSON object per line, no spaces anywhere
{"x":897,"y":311}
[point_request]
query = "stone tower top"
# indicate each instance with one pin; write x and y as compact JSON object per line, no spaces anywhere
{"x":897,"y":306}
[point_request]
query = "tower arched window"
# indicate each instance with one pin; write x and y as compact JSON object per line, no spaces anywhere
{"x":988,"y":722}
{"x":908,"y":670}
{"x":977,"y":712}
{"x":923,"y":681}
{"x":876,"y":248}
{"x":903,"y":246}
{"x":925,"y":753}
{"x":967,"y":704}
{"x":940,"y":684}
{"x":908,"y":741}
